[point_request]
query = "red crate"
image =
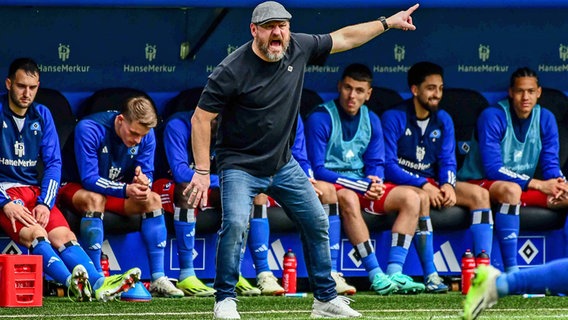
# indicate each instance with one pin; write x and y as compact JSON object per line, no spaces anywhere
{"x":21,"y":280}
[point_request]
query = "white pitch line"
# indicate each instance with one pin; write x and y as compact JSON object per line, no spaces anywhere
{"x":368,"y":314}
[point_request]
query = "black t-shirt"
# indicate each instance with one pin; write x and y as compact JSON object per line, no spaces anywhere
{"x":259,"y":103}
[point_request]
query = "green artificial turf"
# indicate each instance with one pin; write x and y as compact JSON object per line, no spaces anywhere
{"x":424,"y":306}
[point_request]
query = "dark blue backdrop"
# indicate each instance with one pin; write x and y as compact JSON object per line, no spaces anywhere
{"x":82,"y":49}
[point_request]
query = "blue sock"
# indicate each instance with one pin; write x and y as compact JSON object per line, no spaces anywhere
{"x":507,"y":223}
{"x":398,"y":252}
{"x":367,"y":254}
{"x":502,"y":285}
{"x":92,"y":236}
{"x":52,"y":264}
{"x":184,"y":225}
{"x":72,"y":254}
{"x":482,"y":231}
{"x":259,"y":236}
{"x":334,"y":233}
{"x":551,"y":276}
{"x":424,"y":242}
{"x":155,"y":235}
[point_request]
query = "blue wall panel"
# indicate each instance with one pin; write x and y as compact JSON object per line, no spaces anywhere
{"x":85,"y":49}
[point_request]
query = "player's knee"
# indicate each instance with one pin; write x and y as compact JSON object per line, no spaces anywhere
{"x":28,"y":234}
{"x":348,"y":203}
{"x":423,"y":197}
{"x":94,"y":201}
{"x":506,"y":192}
{"x":154,"y":202}
{"x":480,"y":197}
{"x":411,"y":203}
{"x":328,"y":190}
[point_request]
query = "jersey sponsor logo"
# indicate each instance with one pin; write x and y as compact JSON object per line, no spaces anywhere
{"x":105,"y":150}
{"x":114,"y":172}
{"x":18,"y":162}
{"x":408,"y":132}
{"x":4,"y":125}
{"x":19,"y":149}
{"x":412,"y":165}
{"x":420,"y":153}
{"x":290,"y":68}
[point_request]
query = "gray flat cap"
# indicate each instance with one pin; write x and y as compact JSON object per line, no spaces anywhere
{"x":269,"y":11}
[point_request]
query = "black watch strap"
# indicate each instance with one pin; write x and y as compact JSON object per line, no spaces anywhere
{"x":383,"y":20}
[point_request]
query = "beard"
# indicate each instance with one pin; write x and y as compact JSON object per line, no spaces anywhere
{"x":16,"y":101}
{"x":264,"y":47}
{"x":430,"y":105}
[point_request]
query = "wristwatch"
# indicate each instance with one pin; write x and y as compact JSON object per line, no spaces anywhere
{"x":383,"y":20}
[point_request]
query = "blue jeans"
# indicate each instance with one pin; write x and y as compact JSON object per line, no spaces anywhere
{"x":293,"y":191}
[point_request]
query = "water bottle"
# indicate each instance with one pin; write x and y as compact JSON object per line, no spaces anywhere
{"x":467,"y":270}
{"x":482,"y":258}
{"x":104,"y":265}
{"x":289,"y":273}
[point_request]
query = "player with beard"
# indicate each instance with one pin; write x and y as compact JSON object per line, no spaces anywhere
{"x":257,"y":91}
{"x":420,"y":152}
{"x":28,"y":214}
{"x":346,"y":148}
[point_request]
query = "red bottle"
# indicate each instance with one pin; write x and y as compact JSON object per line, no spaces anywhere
{"x":482,"y":258}
{"x":467,"y":270}
{"x":104,"y":265}
{"x":289,"y":272}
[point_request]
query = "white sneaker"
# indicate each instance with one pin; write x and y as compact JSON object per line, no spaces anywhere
{"x":226,"y":309}
{"x":163,"y":287}
{"x":268,"y":284}
{"x":341,"y":285}
{"x":335,"y":308}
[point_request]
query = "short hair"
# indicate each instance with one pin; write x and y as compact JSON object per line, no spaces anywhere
{"x":141,"y":110}
{"x":27,"y":64}
{"x":358,"y":72}
{"x":420,"y":70}
{"x":522,"y":73}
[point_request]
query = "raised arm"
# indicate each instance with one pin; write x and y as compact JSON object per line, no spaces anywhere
{"x":356,"y":35}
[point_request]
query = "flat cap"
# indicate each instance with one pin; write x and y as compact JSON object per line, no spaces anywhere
{"x":269,"y":11}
